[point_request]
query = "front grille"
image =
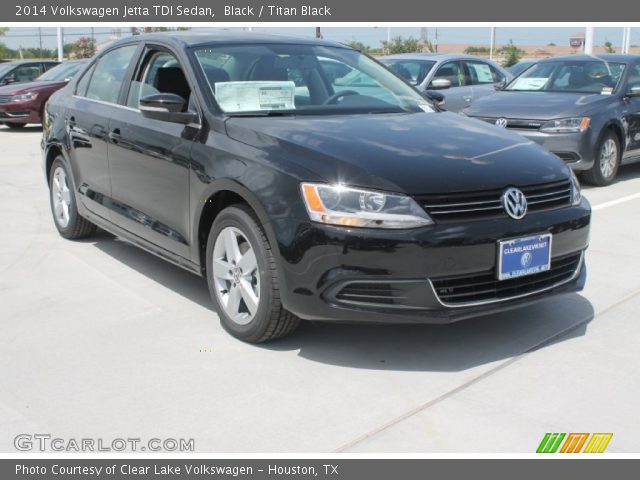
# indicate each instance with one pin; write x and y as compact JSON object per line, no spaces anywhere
{"x":370,"y":292}
{"x":5,"y":98}
{"x":488,"y":204}
{"x":485,"y":288}
{"x":518,"y":123}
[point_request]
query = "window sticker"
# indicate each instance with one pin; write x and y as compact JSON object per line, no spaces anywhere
{"x":483,"y":72}
{"x":533,"y":83}
{"x":606,"y":91}
{"x":255,"y":96}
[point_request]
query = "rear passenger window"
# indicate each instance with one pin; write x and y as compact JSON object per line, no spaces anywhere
{"x":83,"y":83}
{"x":483,"y":73}
{"x":109,"y":74}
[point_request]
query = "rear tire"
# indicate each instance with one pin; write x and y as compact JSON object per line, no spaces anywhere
{"x":607,"y":161}
{"x":15,"y":126}
{"x":243,"y":280}
{"x":62,"y":198}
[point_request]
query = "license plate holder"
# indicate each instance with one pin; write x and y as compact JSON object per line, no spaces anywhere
{"x":522,"y":256}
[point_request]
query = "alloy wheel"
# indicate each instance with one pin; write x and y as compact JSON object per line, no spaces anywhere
{"x":61,"y":197}
{"x":608,"y":158}
{"x":235,"y":275}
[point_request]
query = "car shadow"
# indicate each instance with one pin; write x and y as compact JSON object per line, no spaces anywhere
{"x":27,"y":129}
{"x":439,"y":348}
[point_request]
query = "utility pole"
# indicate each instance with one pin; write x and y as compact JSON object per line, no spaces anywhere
{"x":60,"y":45}
{"x":588,"y":40}
{"x":493,"y":42}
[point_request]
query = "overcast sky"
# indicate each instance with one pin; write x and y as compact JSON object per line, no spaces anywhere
{"x":30,"y":36}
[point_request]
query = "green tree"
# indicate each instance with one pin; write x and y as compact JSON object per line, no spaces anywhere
{"x":512,"y":54}
{"x":406,"y":45}
{"x":471,"y":50}
{"x":84,"y":47}
{"x":359,"y":46}
{"x":608,"y":46}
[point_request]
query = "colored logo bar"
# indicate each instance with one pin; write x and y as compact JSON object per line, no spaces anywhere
{"x":574,"y":442}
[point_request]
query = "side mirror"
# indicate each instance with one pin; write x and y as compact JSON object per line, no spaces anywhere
{"x":501,"y":84}
{"x":166,"y":107}
{"x":435,"y":97}
{"x":634,"y":91}
{"x":9,"y":80}
{"x":440,"y":84}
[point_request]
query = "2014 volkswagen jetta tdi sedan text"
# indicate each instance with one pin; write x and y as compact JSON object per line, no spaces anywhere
{"x":242,"y":159}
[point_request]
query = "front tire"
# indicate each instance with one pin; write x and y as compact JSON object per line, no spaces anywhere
{"x":242,"y":278}
{"x":607,"y":161}
{"x":66,"y":218}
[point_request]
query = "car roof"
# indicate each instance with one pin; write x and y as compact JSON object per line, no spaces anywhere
{"x":226,"y":37}
{"x":607,"y":57}
{"x":26,"y":62}
{"x":433,"y":56}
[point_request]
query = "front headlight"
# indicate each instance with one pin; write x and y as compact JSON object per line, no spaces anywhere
{"x":352,"y":207}
{"x":576,"y":195}
{"x":25,"y":97}
{"x":566,"y":125}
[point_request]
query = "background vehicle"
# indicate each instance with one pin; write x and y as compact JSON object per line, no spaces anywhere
{"x":24,"y":102}
{"x":240,"y":159}
{"x":462,"y":79}
{"x":585,"y":109}
{"x":24,"y":71}
{"x":520,"y":67}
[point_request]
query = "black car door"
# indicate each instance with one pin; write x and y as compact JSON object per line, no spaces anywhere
{"x":87,"y":121}
{"x":633,"y":109}
{"x":149,"y":159}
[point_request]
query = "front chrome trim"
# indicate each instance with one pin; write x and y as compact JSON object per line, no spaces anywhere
{"x":514,"y":297}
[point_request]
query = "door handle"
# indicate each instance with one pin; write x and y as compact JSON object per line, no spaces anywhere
{"x":114,"y":135}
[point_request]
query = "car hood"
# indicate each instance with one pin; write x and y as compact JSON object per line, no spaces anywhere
{"x":535,"y":105}
{"x":20,"y":88}
{"x":410,"y":153}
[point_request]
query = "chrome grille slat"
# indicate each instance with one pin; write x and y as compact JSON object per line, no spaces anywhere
{"x":488,"y":204}
{"x":485,"y":288}
{"x":5,"y":98}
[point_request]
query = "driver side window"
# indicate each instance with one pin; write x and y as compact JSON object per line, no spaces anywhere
{"x":161,"y":73}
{"x":451,"y":71}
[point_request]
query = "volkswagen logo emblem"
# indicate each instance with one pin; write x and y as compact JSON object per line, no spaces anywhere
{"x":514,"y":203}
{"x":501,"y":122}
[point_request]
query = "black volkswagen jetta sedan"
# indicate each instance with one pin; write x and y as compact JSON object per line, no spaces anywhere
{"x":242,"y":159}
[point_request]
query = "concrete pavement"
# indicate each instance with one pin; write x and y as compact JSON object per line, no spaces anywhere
{"x":102,"y":340}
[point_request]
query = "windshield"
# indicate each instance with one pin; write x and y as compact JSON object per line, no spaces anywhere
{"x":60,"y":72}
{"x":591,"y":76}
{"x":413,"y":71}
{"x":303,"y":79}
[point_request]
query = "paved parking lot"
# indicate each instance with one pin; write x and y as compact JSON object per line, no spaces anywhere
{"x":100,"y":339}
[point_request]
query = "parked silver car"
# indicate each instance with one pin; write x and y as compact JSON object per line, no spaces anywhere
{"x":461,"y":78}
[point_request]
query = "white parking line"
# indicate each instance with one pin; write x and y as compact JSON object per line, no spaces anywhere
{"x":611,"y":203}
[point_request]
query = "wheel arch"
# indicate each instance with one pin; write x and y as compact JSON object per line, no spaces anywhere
{"x":219,"y":195}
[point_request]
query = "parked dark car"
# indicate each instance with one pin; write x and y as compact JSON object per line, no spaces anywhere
{"x":303,"y":199}
{"x":24,"y":71}
{"x":585,"y":109}
{"x":24,"y":103}
{"x":461,"y":79}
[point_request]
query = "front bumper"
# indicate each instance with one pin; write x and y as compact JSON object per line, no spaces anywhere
{"x":369,"y":275}
{"x":575,"y":149}
{"x":22,"y":112}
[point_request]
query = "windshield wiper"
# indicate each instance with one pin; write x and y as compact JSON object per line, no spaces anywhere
{"x":263,"y":113}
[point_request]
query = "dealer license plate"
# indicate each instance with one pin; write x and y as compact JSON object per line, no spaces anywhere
{"x":518,"y":257}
